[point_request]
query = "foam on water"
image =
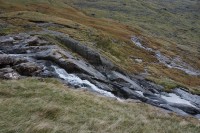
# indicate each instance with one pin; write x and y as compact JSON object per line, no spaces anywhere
{"x":140,"y":92}
{"x":76,"y":81}
{"x":173,"y":98}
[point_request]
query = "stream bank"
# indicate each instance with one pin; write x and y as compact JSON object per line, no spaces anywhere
{"x":29,"y":54}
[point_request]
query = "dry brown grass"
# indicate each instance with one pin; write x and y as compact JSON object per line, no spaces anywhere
{"x":47,"y":106}
{"x":120,"y":51}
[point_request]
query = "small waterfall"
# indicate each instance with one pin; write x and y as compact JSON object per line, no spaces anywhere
{"x":76,"y":81}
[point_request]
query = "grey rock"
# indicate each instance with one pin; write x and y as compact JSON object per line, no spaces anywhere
{"x":154,"y":98}
{"x":34,"y":56}
{"x":176,"y":110}
{"x":118,"y":77}
{"x":128,"y":93}
{"x":35,"y":41}
{"x":10,"y":60}
{"x":197,"y":116}
{"x":1,"y":52}
{"x":139,"y":60}
{"x":6,"y":40}
{"x":69,"y":63}
{"x":8,"y":73}
{"x":186,"y":108}
{"x":91,"y":55}
{"x":188,"y":96}
{"x":28,"y":69}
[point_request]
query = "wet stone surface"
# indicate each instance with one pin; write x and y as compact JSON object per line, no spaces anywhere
{"x":176,"y":62}
{"x":28,"y":54}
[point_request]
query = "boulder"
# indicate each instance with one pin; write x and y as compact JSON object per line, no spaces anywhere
{"x":6,"y":40}
{"x":10,"y":60}
{"x":138,"y":60}
{"x":28,"y":69}
{"x":35,"y":41}
{"x":8,"y":73}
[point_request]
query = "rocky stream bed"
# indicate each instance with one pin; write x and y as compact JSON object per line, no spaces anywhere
{"x":30,"y":54}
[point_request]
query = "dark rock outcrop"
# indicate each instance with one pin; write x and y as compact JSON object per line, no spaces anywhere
{"x":10,"y":60}
{"x":8,"y":73}
{"x":89,"y":54}
{"x":186,"y":108}
{"x":28,"y":69}
{"x":92,"y":57}
{"x":31,"y":55}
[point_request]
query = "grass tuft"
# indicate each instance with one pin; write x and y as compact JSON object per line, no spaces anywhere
{"x":53,"y":107}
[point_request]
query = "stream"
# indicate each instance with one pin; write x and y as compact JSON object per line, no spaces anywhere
{"x":25,"y":55}
{"x":75,"y":81}
{"x":176,"y":63}
{"x":169,"y":98}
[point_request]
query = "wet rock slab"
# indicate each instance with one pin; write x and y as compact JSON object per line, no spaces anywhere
{"x":195,"y":99}
{"x":29,"y":54}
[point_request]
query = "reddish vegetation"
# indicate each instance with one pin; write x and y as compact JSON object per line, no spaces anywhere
{"x":122,"y":32}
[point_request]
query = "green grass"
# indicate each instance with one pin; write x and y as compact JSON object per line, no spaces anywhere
{"x":176,"y":20}
{"x":168,"y":84}
{"x":174,"y":24}
{"x":112,"y":39}
{"x":47,"y":106}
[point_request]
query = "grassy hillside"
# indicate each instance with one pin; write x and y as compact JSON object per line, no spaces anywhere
{"x":174,"y":24}
{"x":47,"y":106}
{"x":112,"y":38}
{"x":177,"y":21}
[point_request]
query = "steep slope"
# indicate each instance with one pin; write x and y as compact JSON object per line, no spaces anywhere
{"x":53,"y":39}
{"x":25,"y":107}
{"x":175,"y":24}
{"x":176,"y":21}
{"x":112,"y":39}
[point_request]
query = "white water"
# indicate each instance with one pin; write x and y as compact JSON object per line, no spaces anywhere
{"x":176,"y":63}
{"x":173,"y":98}
{"x":140,"y":92}
{"x":138,"y":43}
{"x":169,"y":62}
{"x":76,"y":81}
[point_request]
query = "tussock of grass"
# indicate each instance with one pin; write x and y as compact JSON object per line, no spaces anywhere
{"x":47,"y":106}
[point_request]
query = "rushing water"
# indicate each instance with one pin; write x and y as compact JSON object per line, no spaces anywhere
{"x":76,"y":81}
{"x":169,"y":62}
{"x":171,"y":98}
